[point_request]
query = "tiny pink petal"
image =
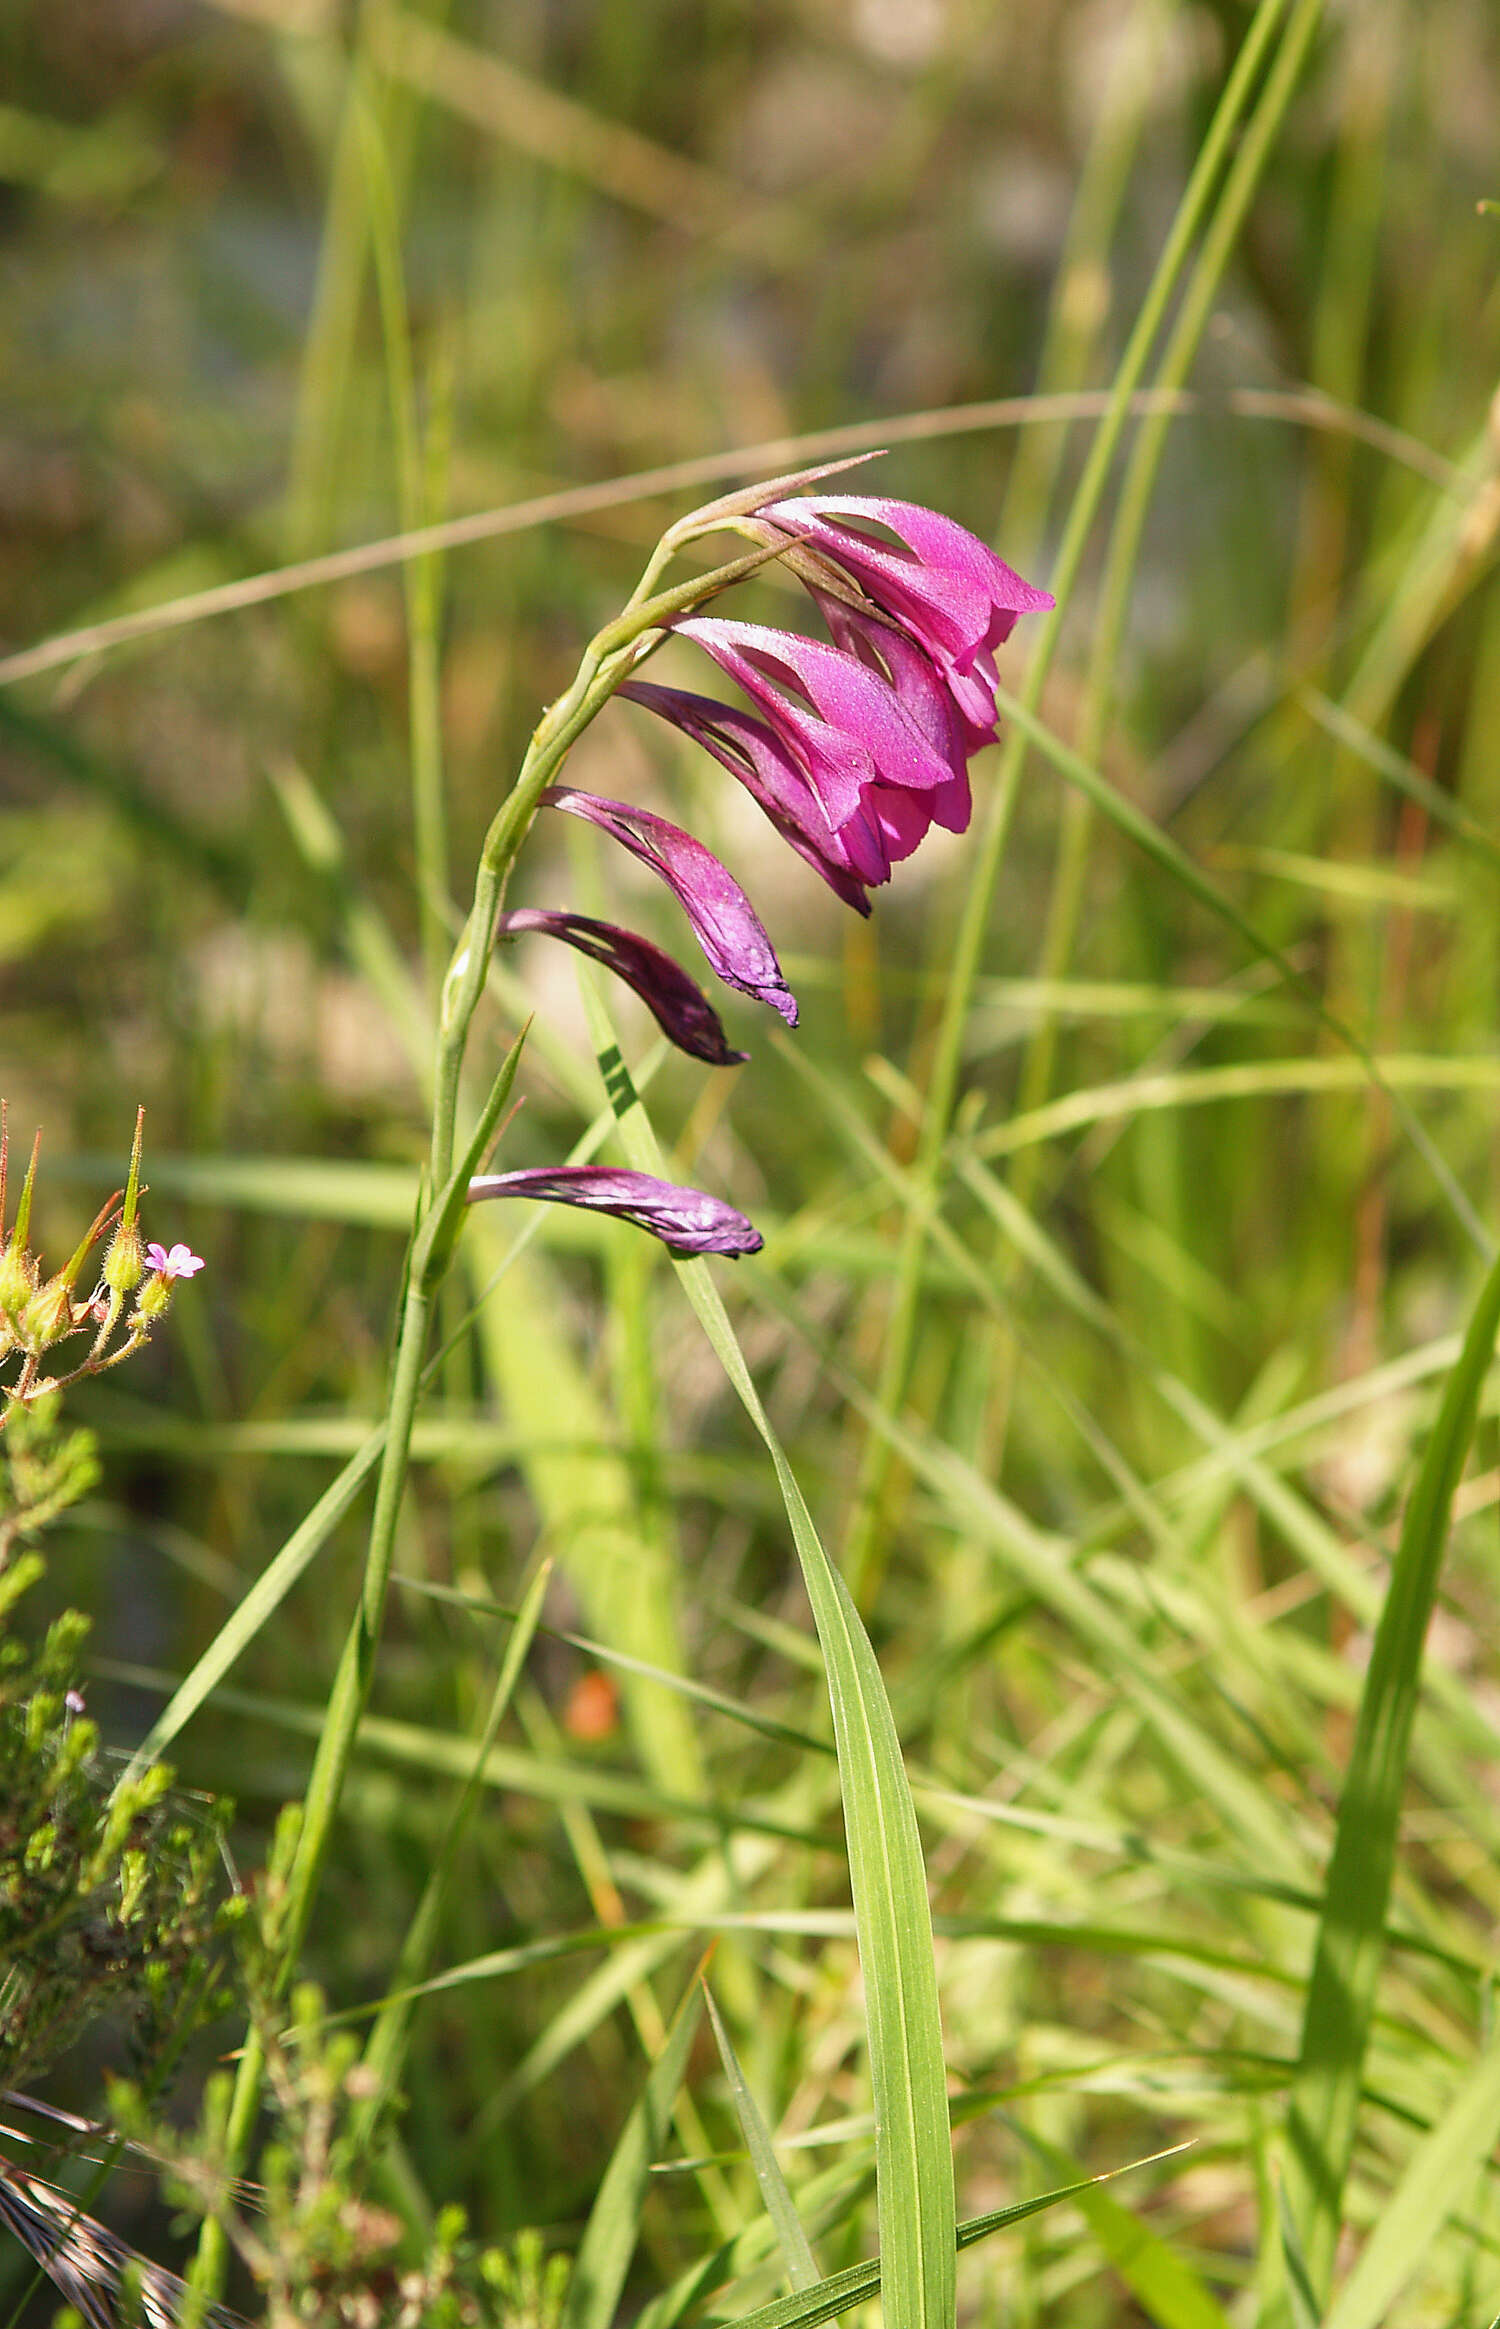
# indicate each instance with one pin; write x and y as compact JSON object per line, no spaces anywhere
{"x":180,"y":1262}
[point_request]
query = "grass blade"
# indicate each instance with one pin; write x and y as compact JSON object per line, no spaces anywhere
{"x":801,"y":2264}
{"x":1435,"y":2178}
{"x":914,"y":2160}
{"x":1164,"y":2284}
{"x":385,"y":2049}
{"x":859,"y":2282}
{"x":1351,"y":1931}
{"x":613,"y":2227}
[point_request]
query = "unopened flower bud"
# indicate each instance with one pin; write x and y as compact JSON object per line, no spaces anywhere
{"x":154,"y":1296}
{"x":48,"y":1316}
{"x":18,"y":1280}
{"x":125,"y":1263}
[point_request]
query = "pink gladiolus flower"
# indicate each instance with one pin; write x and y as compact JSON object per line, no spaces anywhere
{"x":181,"y":1262}
{"x":842,"y":721}
{"x":950,"y":593}
{"x":724,"y":922}
{"x":688,"y":1221}
{"x":681,"y":1010}
{"x":776,"y":783}
{"x":920,"y":689}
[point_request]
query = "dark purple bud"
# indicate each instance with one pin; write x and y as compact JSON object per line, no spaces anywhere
{"x":724,"y":922}
{"x":775,"y":782}
{"x":680,"y":1008}
{"x":688,"y":1221}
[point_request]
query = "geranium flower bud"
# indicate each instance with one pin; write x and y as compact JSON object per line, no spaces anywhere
{"x":125,"y":1263}
{"x":19,"y":1279}
{"x":48,"y":1316}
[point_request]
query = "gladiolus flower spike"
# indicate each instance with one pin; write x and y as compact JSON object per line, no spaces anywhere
{"x":854,"y":747}
{"x":688,"y":1221}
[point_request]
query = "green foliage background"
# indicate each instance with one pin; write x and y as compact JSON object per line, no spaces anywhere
{"x":280,"y":279}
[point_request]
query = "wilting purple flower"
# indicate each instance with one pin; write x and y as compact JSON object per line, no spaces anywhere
{"x":954,"y":597}
{"x":181,"y":1262}
{"x":688,"y":1221}
{"x":680,"y":1008}
{"x":724,"y":922}
{"x":774,"y":780}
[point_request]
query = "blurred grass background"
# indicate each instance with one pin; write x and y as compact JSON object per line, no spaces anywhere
{"x":281,"y":277}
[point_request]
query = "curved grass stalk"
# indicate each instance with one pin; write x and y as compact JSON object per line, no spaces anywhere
{"x":963,"y":968}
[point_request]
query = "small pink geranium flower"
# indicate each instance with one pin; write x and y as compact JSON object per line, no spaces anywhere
{"x":180,"y":1262}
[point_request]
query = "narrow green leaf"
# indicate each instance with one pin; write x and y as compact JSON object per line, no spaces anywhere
{"x":1435,"y":2179}
{"x":828,"y":2200}
{"x":613,"y":2228}
{"x":385,"y":2049}
{"x":1301,"y":2304}
{"x":859,"y":2282}
{"x":801,"y":2264}
{"x":1351,"y":1931}
{"x":435,"y":1240}
{"x":1163,"y":2283}
{"x":265,"y":1596}
{"x":914,"y":2158}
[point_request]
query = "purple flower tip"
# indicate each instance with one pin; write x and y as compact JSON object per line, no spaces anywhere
{"x":181,"y":1262}
{"x":724,"y":922}
{"x":688,"y":1221}
{"x":680,"y":1007}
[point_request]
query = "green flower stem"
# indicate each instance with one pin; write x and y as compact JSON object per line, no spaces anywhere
{"x":425,"y":1271}
{"x":616,"y":648}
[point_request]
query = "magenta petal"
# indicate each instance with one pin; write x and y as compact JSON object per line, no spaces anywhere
{"x":952,"y":805}
{"x":922,"y":689}
{"x":843,"y":721}
{"x":774,"y":781}
{"x":946,"y":585}
{"x":724,"y":922}
{"x":940,"y":582}
{"x":680,"y":1007}
{"x":688,"y":1221}
{"x":904,"y":819}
